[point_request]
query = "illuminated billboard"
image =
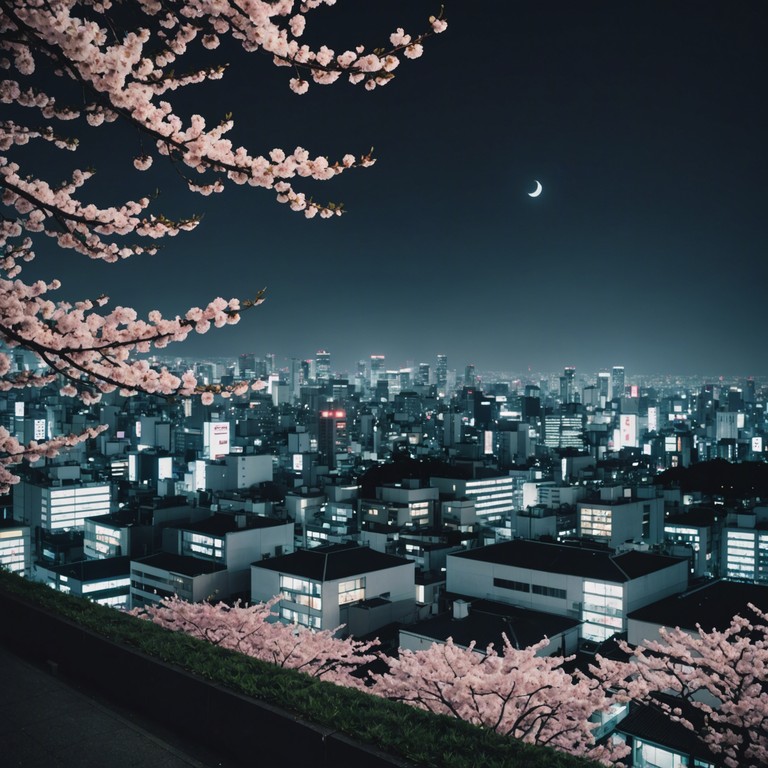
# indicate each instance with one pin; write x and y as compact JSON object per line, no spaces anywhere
{"x":628,"y":431}
{"x":757,"y":445}
{"x":165,"y":468}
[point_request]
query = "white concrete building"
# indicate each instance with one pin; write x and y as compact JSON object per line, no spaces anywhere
{"x":322,"y":586}
{"x":60,"y":504}
{"x":592,"y":585}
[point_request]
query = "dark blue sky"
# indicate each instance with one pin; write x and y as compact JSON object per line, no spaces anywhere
{"x":644,"y":122}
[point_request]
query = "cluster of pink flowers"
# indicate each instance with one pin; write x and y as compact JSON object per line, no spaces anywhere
{"x":134,"y":78}
{"x":720,"y":676}
{"x":252,"y":630}
{"x":518,"y":692}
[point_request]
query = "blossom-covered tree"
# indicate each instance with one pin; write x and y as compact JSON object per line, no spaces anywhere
{"x":516,"y":693}
{"x":73,"y":66}
{"x":255,"y":631}
{"x":721,"y":675}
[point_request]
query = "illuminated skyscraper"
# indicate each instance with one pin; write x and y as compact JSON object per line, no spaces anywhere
{"x":423,"y":377}
{"x":617,"y":381}
{"x":604,"y":386}
{"x":441,"y":374}
{"x":567,"y":383}
{"x":323,"y":362}
{"x":332,"y":436}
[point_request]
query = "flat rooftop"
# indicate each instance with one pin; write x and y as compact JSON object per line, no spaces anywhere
{"x":486,"y":622}
{"x":92,"y":570}
{"x":599,"y":564}
{"x":712,"y":606}
{"x":181,"y":564}
{"x":220,"y":525}
{"x":335,"y":561}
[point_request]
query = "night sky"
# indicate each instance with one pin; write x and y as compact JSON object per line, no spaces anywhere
{"x":645,"y":122}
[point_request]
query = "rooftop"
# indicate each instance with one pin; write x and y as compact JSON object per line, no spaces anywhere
{"x":186,"y":566}
{"x":572,"y":560}
{"x":486,"y":622}
{"x":219,"y":525}
{"x":331,"y":562}
{"x":649,"y":723}
{"x":92,"y":570}
{"x":712,"y":606}
{"x":9,"y":522}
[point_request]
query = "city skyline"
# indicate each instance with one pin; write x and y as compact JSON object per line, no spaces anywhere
{"x":646,"y":246}
{"x":493,"y":373}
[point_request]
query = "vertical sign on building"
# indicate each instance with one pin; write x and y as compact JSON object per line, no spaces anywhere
{"x":628,"y":437}
{"x":653,"y":418}
{"x":39,"y":429}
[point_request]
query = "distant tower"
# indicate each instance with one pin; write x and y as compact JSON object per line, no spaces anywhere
{"x":469,"y":375}
{"x":441,"y":374}
{"x":567,"y":383}
{"x":323,"y":363}
{"x":246,"y":364}
{"x":604,"y":387}
{"x":294,"y":377}
{"x":377,"y":366}
{"x":308,"y":369}
{"x":617,"y":381}
{"x":271,"y":363}
{"x":423,"y":374}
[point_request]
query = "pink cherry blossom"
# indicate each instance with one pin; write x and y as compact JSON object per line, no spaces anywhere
{"x":94,"y":71}
{"x":718,"y":675}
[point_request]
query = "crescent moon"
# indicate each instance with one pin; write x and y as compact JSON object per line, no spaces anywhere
{"x":536,"y":192}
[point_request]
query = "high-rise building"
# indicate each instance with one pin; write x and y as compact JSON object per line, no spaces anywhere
{"x":308,"y":369}
{"x":332,"y":436}
{"x":564,"y":430}
{"x":469,"y":376}
{"x":441,"y":374}
{"x":271,"y":363}
{"x":294,"y":377}
{"x":246,"y":364}
{"x":377,"y":366}
{"x":323,"y":363}
{"x":423,"y":377}
{"x":604,"y":386}
{"x":617,"y":381}
{"x":567,"y":384}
